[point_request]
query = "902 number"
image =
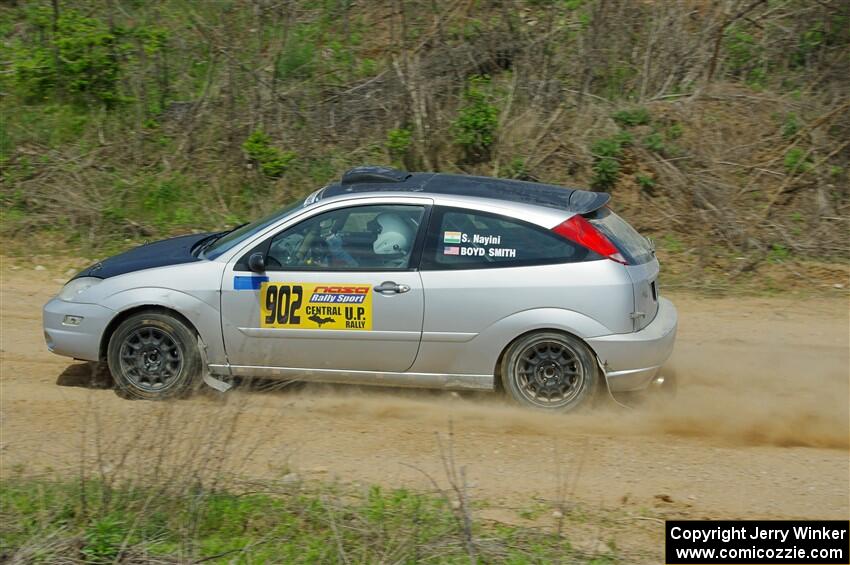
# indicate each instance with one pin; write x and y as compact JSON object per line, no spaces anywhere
{"x":282,"y":304}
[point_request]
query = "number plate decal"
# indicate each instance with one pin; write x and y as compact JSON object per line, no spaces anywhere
{"x":310,"y":306}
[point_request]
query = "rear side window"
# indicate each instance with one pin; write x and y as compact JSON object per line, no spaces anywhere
{"x":465,"y":239}
{"x":635,"y":248}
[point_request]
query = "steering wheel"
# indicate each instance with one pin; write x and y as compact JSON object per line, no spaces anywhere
{"x":317,"y":254}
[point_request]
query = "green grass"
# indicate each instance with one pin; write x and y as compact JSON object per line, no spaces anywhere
{"x":632,"y":117}
{"x":43,"y":521}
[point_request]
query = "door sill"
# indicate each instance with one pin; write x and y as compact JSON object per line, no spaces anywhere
{"x":340,"y":376}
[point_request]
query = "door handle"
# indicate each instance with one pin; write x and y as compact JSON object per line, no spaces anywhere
{"x":389,"y":287}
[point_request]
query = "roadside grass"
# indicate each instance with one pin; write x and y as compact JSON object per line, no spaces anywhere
{"x":715,"y":273}
{"x":169,"y":483}
{"x":90,"y":521}
{"x":132,"y":124}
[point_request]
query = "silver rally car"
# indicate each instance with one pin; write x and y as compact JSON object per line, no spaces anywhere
{"x":389,"y":278}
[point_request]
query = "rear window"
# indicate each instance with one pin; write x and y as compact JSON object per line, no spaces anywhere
{"x":635,"y":248}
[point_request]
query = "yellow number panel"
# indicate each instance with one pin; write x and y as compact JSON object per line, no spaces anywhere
{"x":310,"y":306}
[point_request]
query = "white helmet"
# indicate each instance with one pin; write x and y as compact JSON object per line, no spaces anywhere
{"x":394,"y":235}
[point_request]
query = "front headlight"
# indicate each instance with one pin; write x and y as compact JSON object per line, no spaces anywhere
{"x":75,"y":287}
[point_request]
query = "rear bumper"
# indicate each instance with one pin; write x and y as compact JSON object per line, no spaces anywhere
{"x":632,"y":360}
{"x":80,"y":341}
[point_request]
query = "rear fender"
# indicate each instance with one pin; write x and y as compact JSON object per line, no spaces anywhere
{"x":506,"y":330}
{"x":480,"y":353}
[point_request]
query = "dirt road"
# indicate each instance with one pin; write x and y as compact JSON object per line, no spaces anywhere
{"x":760,"y":427}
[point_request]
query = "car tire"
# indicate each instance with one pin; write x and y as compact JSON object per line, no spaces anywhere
{"x":550,"y":371}
{"x":153,"y":356}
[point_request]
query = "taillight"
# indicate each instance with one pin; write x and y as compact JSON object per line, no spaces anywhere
{"x":579,"y":230}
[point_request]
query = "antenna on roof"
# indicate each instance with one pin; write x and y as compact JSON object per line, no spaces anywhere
{"x":371,"y":173}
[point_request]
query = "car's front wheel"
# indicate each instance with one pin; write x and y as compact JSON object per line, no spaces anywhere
{"x":550,"y":370}
{"x":153,"y":356}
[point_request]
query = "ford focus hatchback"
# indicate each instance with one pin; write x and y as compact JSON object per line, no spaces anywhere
{"x":388,"y":278}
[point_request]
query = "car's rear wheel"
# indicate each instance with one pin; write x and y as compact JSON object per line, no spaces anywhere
{"x":153,"y":356}
{"x":550,"y":370}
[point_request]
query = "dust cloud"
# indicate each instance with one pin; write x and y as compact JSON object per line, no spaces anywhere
{"x":772,"y":397}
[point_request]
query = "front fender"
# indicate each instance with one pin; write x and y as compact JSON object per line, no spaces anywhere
{"x":199,"y":311}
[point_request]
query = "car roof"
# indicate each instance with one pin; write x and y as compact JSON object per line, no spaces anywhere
{"x":372,"y":179}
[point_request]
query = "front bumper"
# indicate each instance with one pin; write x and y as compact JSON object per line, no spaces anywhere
{"x":81,"y":341}
{"x":631,"y":361}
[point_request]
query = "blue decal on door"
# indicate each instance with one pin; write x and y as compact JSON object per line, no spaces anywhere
{"x":248,"y":283}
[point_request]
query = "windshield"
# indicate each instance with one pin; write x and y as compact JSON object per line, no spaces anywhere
{"x":226,"y":242}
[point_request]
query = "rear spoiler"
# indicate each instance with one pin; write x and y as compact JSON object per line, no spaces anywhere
{"x":585,"y":202}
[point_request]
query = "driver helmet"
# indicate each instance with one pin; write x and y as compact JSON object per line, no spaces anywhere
{"x":395,"y":236}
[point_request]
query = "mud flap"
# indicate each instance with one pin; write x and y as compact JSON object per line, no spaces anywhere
{"x":215,"y":383}
{"x":604,"y":374}
{"x":663,"y":388}
{"x":209,"y":380}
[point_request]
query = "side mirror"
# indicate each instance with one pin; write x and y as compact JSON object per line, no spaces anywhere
{"x":257,"y":263}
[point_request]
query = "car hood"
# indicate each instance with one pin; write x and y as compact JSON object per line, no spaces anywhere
{"x":173,"y":251}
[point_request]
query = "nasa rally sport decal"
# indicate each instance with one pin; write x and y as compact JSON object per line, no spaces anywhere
{"x":310,"y":306}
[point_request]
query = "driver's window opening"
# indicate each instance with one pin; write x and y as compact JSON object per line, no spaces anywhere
{"x":357,"y":238}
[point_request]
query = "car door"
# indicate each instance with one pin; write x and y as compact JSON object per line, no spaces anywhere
{"x":327,"y":300}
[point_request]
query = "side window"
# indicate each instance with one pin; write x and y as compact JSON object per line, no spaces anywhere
{"x":358,"y":238}
{"x":465,"y":239}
